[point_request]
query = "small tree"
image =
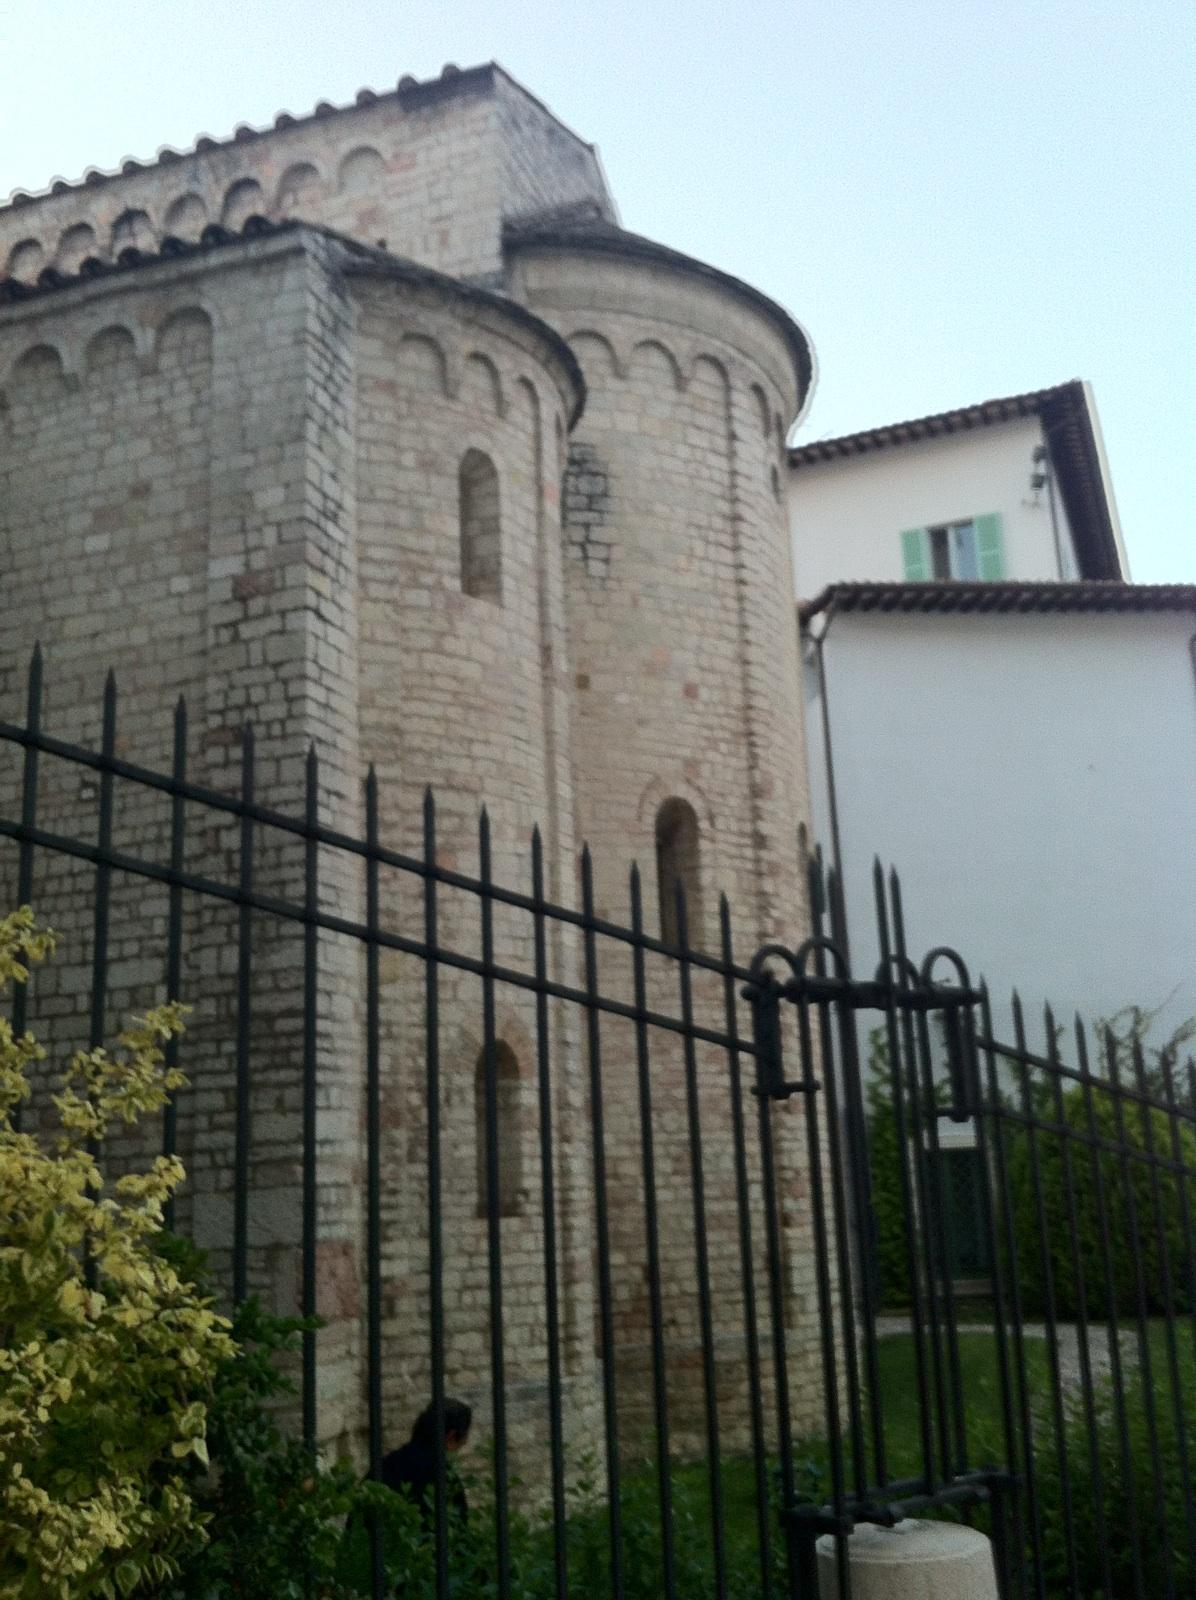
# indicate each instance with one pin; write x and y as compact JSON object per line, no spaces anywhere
{"x":106,"y":1354}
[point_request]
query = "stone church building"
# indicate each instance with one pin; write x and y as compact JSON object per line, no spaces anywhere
{"x":374,"y":428}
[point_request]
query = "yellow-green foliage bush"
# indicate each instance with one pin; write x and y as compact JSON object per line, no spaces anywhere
{"x":104,"y":1384}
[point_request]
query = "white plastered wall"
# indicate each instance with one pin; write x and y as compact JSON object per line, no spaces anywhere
{"x":1033,"y":779}
{"x":846,"y":516}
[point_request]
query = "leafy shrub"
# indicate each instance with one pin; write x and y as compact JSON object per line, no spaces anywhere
{"x":273,"y":1514}
{"x":888,"y":1209}
{"x":1119,"y":1491}
{"x":885,"y":1158}
{"x":473,"y":1561}
{"x":105,"y":1376}
{"x":1161,"y":1240}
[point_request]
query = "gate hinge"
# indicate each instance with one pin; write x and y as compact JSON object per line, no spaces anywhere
{"x":764,"y":996}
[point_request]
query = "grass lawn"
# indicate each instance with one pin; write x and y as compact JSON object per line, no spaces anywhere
{"x":985,"y":1441}
{"x":899,"y":1391}
{"x":691,"y":1489}
{"x":1099,"y":1520}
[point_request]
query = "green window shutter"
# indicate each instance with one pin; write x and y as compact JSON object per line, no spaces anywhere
{"x":990,"y":559}
{"x":915,"y":555}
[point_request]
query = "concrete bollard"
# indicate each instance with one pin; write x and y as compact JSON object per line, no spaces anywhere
{"x":913,"y":1561}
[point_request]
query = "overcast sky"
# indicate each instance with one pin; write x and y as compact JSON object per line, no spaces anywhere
{"x":957,"y":199}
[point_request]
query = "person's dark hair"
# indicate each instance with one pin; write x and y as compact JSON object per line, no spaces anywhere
{"x":457,"y":1418}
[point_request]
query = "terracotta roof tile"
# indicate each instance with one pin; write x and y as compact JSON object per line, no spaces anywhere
{"x":955,"y":598}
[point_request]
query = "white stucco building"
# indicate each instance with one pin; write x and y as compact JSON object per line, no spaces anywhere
{"x":1025,"y":754}
{"x":1017,"y":736}
{"x":1027,"y":474}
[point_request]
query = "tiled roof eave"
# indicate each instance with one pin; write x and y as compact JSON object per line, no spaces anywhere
{"x":1007,"y":408}
{"x":988,"y":599}
{"x":355,"y":259}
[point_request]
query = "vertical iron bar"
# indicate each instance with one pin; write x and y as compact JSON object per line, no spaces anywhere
{"x":939,"y":1255}
{"x":1146,"y":1113}
{"x":648,"y":1161}
{"x":1145,"y":1362}
{"x":174,"y":928}
{"x":1184,"y":1176}
{"x":1000,"y":1112}
{"x":838,"y":1128}
{"x":847,"y":1280}
{"x":1190,"y":1074}
{"x":103,"y":891}
{"x":103,"y":880}
{"x":498,"y":1383}
{"x":794,"y":1556}
{"x":1087,"y":1393}
{"x":701,"y":1249}
{"x":861,"y":1184}
{"x":244,"y":1020}
{"x":552,"y":1321}
{"x":1129,"y":1497}
{"x":908,"y":1201}
{"x":33,"y":725}
{"x":610,"y":1413}
{"x":860,"y":1180}
{"x":922,"y":1117}
{"x":373,"y":1146}
{"x":311,"y":934}
{"x":988,"y":1106}
{"x":435,"y":1236}
{"x":1058,"y":1417}
{"x":743,"y":1204}
{"x":822,"y":1274}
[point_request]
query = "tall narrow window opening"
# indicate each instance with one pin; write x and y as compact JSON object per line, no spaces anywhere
{"x":481,"y":527}
{"x":678,"y":862}
{"x":509,"y":1140}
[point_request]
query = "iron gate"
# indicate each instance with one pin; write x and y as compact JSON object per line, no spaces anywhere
{"x":625,"y":1191}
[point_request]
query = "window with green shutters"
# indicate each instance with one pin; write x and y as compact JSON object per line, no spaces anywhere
{"x":915,"y":553}
{"x":988,"y":546}
{"x":964,"y":551}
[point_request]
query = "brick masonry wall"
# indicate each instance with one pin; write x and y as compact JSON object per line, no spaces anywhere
{"x":469,"y":695}
{"x":429,"y":173}
{"x":237,"y":478}
{"x":177,"y":501}
{"x":685,"y":686}
{"x":237,"y":475}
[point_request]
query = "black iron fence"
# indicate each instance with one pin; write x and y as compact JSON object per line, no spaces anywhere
{"x":623,"y":1192}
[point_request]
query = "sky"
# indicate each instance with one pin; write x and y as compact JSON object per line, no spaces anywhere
{"x":956,"y":199}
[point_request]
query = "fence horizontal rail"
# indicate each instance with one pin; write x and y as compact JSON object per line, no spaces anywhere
{"x":312,"y":829}
{"x":660,"y":1221}
{"x":329,"y":922}
{"x":1080,"y":1077}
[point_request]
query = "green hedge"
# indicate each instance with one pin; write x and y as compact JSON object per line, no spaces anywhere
{"x":1115,"y":1492}
{"x":1128,"y":1195}
{"x":884,"y":1155}
{"x":1126,"y":1188}
{"x":888,"y":1211}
